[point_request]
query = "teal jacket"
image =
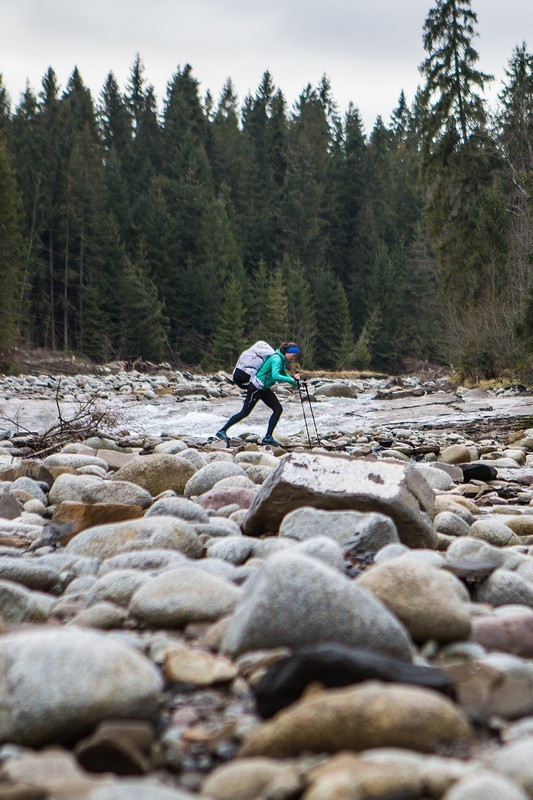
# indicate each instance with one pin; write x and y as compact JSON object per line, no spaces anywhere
{"x":274,"y":369}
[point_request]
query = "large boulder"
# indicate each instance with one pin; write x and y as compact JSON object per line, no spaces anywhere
{"x":91,"y":489}
{"x":183,"y":595}
{"x":371,"y":715}
{"x":432,"y":603}
{"x":105,"y":541}
{"x":157,"y":473}
{"x":294,"y":600}
{"x":337,"y":482}
{"x":57,"y":684}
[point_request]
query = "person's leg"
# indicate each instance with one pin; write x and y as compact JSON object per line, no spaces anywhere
{"x":269,"y":398}
{"x":250,"y":401}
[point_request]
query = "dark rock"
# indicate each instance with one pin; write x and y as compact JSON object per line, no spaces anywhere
{"x":335,"y":665}
{"x":119,"y":747}
{"x":476,"y":471}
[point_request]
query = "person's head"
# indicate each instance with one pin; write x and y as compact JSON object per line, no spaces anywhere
{"x":290,"y":350}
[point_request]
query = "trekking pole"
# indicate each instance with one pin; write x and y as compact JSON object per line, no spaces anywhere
{"x":303,"y":410}
{"x":312,"y":413}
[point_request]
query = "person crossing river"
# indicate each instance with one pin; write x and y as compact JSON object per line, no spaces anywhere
{"x":272,"y":370}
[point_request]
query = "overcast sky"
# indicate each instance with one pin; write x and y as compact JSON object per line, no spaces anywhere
{"x":370,"y":49}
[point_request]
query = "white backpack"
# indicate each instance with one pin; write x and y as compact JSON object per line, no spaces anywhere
{"x":249,"y":362}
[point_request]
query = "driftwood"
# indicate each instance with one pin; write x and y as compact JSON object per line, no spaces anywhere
{"x":88,"y":420}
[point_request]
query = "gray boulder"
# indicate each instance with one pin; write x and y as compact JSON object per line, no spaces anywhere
{"x":336,"y":482}
{"x":179,"y":596}
{"x":178,"y":507}
{"x":294,"y":600}
{"x":18,"y":604}
{"x":206,"y":477}
{"x":58,"y":684}
{"x":363,"y":532}
{"x":90,"y":489}
{"x":104,"y":541}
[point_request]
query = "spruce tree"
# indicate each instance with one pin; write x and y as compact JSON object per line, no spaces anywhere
{"x":453,"y":82}
{"x":228,"y":341}
{"x":11,"y":252}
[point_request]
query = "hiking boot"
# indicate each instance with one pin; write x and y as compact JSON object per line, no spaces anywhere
{"x":222,"y":435}
{"x":270,"y":440}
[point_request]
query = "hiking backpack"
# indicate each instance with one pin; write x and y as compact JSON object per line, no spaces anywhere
{"x":249,"y":362}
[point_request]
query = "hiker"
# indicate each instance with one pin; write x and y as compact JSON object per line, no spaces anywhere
{"x":272,"y":370}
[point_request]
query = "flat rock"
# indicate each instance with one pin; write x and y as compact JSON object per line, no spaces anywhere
{"x":91,"y":677}
{"x":335,"y":482}
{"x":284,"y":605}
{"x":79,"y":516}
{"x":372,"y":715}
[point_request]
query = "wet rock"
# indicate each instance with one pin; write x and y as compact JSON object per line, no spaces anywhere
{"x":334,"y":665}
{"x":104,"y":541}
{"x":157,"y":473}
{"x":283,"y":605}
{"x":90,"y":678}
{"x":371,"y":715}
{"x":430,"y":602}
{"x":477,"y":471}
{"x":179,"y":596}
{"x":341,"y":483}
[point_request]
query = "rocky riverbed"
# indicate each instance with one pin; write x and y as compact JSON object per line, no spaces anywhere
{"x":349,"y":618}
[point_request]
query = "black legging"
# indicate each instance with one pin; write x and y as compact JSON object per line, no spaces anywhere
{"x":253,"y":395}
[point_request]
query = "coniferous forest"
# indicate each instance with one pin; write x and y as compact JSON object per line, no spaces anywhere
{"x":183,"y":229}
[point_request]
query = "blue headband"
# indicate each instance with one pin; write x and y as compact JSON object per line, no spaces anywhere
{"x":294,"y":349}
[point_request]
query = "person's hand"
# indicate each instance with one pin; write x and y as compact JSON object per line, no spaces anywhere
{"x":296,"y":376}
